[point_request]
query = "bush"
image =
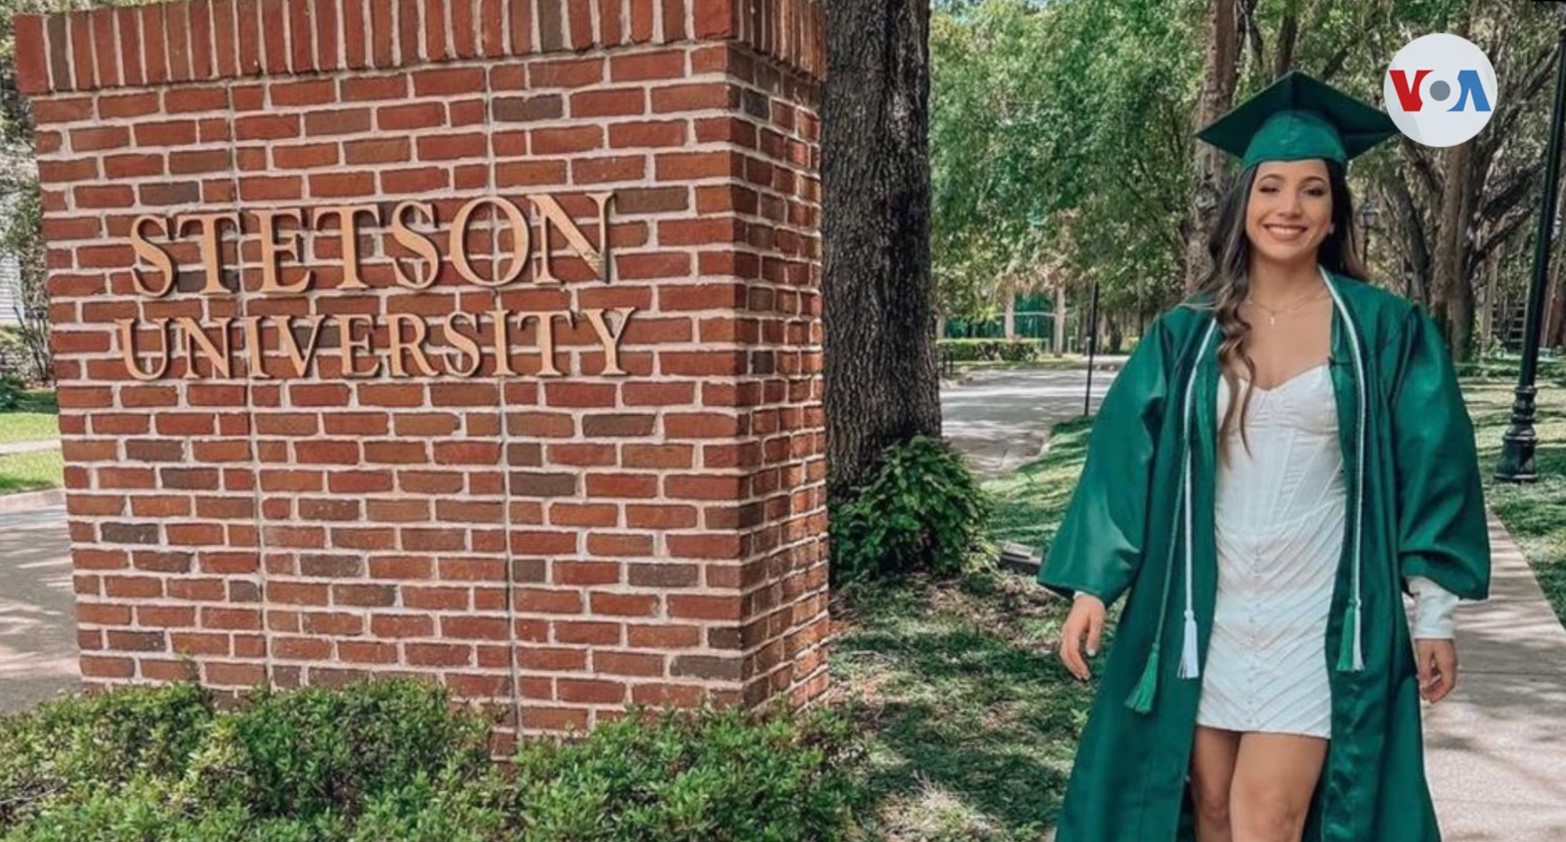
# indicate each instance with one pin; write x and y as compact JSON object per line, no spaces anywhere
{"x":72,"y":748}
{"x":393,"y":760}
{"x":712,"y":775}
{"x":994,"y":350}
{"x":13,"y":393}
{"x":312,"y":751}
{"x":923,"y":512}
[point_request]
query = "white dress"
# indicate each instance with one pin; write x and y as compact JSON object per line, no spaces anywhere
{"x":1279,"y":527}
{"x":1279,"y":524}
{"x":1279,"y":521}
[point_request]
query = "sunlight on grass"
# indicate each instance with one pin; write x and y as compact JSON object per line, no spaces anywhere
{"x":974,"y":721}
{"x":1534,"y":513}
{"x":28,"y":426}
{"x":31,"y":471}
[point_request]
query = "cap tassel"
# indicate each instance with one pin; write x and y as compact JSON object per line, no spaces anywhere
{"x":1188,"y":664}
{"x":1351,"y":656}
{"x":1141,"y":698}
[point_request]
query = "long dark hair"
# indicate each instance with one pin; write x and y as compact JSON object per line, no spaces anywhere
{"x":1229,"y":280}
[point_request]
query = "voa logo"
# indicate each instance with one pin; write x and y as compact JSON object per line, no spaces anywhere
{"x":1440,"y":90}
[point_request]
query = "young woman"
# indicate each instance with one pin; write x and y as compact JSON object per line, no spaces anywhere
{"x":1283,"y":456}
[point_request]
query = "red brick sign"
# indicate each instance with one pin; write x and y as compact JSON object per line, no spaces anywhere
{"x":477,"y":339}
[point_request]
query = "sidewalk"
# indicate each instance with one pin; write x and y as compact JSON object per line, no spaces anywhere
{"x":9,"y":448}
{"x":1496,"y":748}
{"x":37,"y":608}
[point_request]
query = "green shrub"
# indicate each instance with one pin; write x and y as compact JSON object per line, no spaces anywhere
{"x":709,"y":775}
{"x":393,"y":760}
{"x":68,"y":748}
{"x":994,"y":350}
{"x":923,"y":512}
{"x":13,"y":393}
{"x":310,"y":751}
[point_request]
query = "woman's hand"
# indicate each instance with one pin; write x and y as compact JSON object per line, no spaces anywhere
{"x":1086,"y":617}
{"x":1437,"y":661}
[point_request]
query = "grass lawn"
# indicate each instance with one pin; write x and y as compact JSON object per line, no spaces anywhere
{"x":1535,"y":513}
{"x":34,"y":419}
{"x":31,"y":471}
{"x":974,"y":723}
{"x":27,"y":426}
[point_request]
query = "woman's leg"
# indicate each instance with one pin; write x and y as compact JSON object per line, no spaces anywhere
{"x":1274,"y":778}
{"x":1212,"y":770}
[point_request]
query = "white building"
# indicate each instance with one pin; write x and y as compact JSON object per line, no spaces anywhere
{"x":10,"y":280}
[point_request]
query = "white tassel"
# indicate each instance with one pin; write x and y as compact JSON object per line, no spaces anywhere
{"x":1188,"y":660}
{"x":1188,"y":665}
{"x":1357,"y":661}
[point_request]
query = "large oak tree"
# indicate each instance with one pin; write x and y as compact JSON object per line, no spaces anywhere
{"x":882,"y":384}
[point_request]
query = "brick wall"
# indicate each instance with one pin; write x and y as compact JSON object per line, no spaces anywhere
{"x":560,"y":544}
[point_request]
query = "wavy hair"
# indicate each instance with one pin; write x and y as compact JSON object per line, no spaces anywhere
{"x":1229,"y":280}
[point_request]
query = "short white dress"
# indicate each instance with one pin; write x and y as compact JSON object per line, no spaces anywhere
{"x":1280,"y":516}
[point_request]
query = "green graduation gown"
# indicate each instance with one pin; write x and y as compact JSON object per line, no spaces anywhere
{"x":1414,"y":491}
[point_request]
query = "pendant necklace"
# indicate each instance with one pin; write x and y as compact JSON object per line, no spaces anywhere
{"x":1272,"y":314}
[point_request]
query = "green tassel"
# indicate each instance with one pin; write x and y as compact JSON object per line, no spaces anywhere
{"x":1141,"y":698}
{"x":1346,"y":650}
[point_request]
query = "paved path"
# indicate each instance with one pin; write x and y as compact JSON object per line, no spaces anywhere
{"x":1496,"y":748}
{"x":1001,"y":418}
{"x":37,"y":615}
{"x":8,"y":448}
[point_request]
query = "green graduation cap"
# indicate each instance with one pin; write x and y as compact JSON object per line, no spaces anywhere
{"x":1299,"y":117}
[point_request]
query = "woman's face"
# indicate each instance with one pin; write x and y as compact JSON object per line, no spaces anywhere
{"x":1289,"y":211}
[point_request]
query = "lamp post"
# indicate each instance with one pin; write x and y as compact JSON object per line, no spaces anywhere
{"x":1517,"y":446}
{"x":1092,"y":344}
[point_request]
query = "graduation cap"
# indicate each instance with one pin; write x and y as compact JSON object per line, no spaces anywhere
{"x":1299,"y":117}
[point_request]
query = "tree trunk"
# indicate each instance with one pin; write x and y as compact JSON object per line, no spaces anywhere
{"x":1011,"y":316}
{"x":878,"y":309}
{"x":1218,"y":78}
{"x":1451,"y":304}
{"x":1555,"y":322}
{"x":1058,"y":320}
{"x":1288,"y":34}
{"x":1487,"y":311}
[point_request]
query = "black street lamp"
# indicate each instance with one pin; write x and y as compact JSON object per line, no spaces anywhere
{"x":1092,"y":349}
{"x":1517,"y":446}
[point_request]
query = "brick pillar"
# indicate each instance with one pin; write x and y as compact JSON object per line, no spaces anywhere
{"x":361,"y":476}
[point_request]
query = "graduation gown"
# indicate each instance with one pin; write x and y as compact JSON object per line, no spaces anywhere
{"x":1414,"y":506}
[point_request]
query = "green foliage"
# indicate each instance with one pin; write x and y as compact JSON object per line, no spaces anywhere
{"x":396,"y":760}
{"x":312,"y":751}
{"x":995,"y":350}
{"x":923,"y":512}
{"x":13,"y":393}
{"x":1060,"y":149}
{"x":70,"y":749}
{"x":719,"y":775}
{"x":24,"y":350}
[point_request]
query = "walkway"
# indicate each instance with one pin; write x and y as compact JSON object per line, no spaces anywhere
{"x":37,"y":614}
{"x":8,"y":448}
{"x":1001,"y":418}
{"x":1495,"y":748}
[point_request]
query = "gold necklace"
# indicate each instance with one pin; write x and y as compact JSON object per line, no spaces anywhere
{"x":1272,"y":314}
